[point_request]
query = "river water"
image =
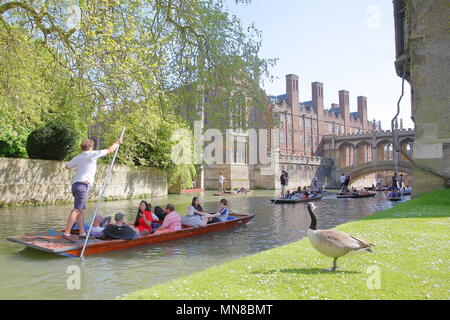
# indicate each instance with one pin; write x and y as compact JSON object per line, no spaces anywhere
{"x":31,"y":274}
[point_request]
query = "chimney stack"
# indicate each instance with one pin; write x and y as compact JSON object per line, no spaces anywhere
{"x":362,"y":112}
{"x":317,"y":98}
{"x":344,"y":105}
{"x":293,"y":99}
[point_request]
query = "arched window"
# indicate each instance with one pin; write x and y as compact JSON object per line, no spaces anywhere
{"x":388,"y":151}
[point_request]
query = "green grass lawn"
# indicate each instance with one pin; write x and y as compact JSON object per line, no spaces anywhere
{"x":411,"y":258}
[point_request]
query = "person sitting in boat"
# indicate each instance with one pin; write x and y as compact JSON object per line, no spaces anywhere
{"x":120,"y":230}
{"x":159,"y":212}
{"x":195,"y":216}
{"x":305,"y":193}
{"x":354,"y":191}
{"x":99,"y":225}
{"x":242,"y":190}
{"x":288,"y":195}
{"x":363,"y":192}
{"x":172,"y":221}
{"x":145,"y":220}
{"x":296,"y":196}
{"x":222,"y":214}
{"x":408,"y":189}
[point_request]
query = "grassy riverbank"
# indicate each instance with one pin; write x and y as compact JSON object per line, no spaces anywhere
{"x":412,"y":256}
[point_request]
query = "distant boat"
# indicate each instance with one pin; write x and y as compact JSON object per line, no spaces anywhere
{"x":389,"y":197}
{"x":281,"y":200}
{"x":231,"y":193}
{"x":350,"y":195}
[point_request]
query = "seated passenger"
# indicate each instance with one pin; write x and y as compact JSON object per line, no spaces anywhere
{"x":195,"y":216}
{"x":76,"y":228}
{"x":408,"y":189}
{"x":120,"y":230}
{"x":172,"y":221}
{"x":296,"y":196}
{"x":144,"y":219}
{"x":99,"y":225}
{"x":222,"y":214}
{"x":160,"y":214}
{"x":288,"y":195}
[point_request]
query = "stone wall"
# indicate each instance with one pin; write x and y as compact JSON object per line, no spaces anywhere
{"x":425,"y":60}
{"x":236,"y":175}
{"x":301,"y":169}
{"x":26,"y":181}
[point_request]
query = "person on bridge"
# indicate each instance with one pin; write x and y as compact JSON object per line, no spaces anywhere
{"x":85,"y":165}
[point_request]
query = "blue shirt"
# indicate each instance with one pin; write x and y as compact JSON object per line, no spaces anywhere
{"x":223,"y":214}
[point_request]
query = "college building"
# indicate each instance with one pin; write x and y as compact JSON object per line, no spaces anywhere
{"x":302,"y":125}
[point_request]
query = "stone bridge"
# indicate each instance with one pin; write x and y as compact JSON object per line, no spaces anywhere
{"x":359,"y":155}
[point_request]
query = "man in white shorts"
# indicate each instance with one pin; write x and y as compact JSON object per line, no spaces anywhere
{"x":221,"y":182}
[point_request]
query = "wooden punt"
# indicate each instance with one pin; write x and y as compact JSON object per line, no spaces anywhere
{"x":391,"y":198}
{"x":228,"y":194}
{"x":342,"y":196}
{"x":56,"y":244}
{"x":394,"y":198}
{"x":282,"y":201}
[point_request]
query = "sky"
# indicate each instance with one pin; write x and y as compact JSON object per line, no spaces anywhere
{"x":345,"y":44}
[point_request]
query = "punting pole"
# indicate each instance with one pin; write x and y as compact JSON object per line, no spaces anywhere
{"x":105,"y":184}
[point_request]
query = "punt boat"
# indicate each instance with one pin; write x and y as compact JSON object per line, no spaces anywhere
{"x":58,"y":245}
{"x":349,"y":195}
{"x":392,"y":198}
{"x":282,"y":201}
{"x":229,"y":193}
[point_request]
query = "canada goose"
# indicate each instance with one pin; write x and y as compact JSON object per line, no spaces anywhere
{"x":334,"y":243}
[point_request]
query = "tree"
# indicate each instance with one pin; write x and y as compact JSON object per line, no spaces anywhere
{"x":54,"y":141}
{"x":138,"y":63}
{"x":33,"y":89}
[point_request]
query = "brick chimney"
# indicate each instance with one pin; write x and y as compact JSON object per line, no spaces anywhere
{"x":317,"y":98}
{"x":292,"y":92}
{"x":362,"y":112}
{"x":344,"y":105}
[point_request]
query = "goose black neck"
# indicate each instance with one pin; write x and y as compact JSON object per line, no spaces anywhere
{"x":313,"y":224}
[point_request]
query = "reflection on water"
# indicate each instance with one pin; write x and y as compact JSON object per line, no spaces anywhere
{"x":30,"y":274}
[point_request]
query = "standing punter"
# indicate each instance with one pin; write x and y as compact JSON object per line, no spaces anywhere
{"x":85,"y":165}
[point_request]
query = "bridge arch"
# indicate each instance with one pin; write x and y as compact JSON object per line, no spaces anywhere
{"x":385,"y":149}
{"x":346,"y":151}
{"x":407,"y":147}
{"x":364,"y":152}
{"x":358,"y":172}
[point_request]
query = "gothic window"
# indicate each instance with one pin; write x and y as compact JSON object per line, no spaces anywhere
{"x":308,"y":123}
